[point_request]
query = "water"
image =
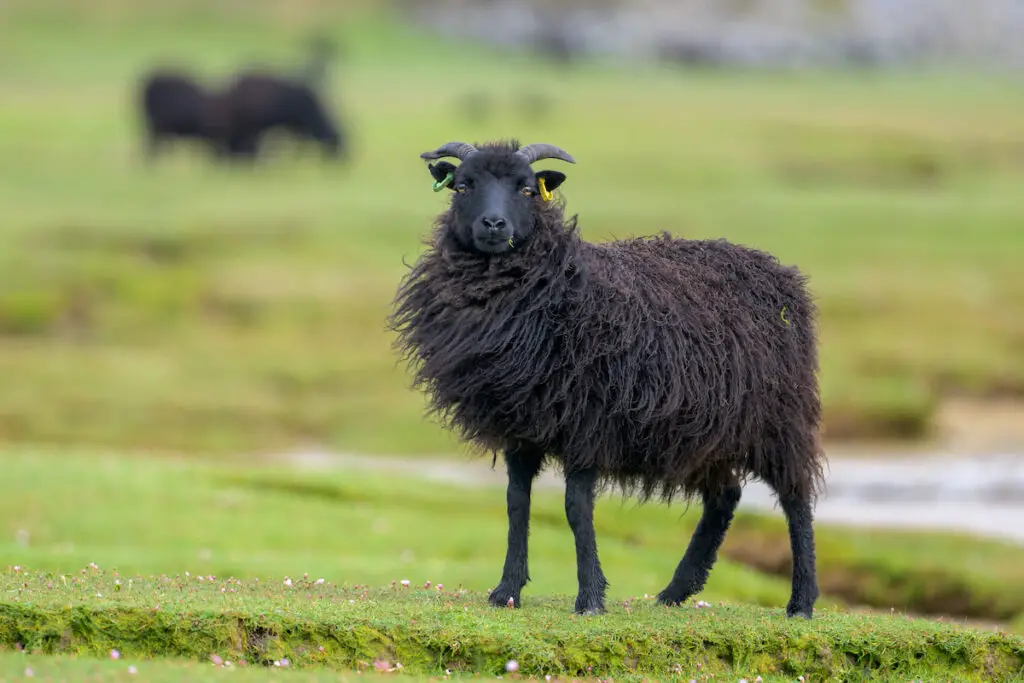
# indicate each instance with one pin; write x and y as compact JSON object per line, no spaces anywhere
{"x":977,"y":494}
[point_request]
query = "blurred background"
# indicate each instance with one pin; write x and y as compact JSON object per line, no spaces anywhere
{"x":193,"y":330}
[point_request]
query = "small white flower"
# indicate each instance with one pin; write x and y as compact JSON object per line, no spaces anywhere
{"x":405,"y":582}
{"x":132,"y":670}
{"x":319,"y":582}
{"x":288,"y":582}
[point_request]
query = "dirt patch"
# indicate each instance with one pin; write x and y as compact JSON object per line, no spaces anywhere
{"x":981,"y":424}
{"x":959,"y":424}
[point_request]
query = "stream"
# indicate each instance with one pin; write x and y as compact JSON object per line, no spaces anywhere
{"x":980,"y":494}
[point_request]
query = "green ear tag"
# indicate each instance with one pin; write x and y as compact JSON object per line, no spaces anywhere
{"x":441,"y":184}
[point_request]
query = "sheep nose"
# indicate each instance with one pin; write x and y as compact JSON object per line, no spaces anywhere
{"x":493,"y":223}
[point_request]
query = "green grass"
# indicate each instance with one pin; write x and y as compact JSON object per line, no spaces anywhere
{"x":107,"y":551}
{"x":192,"y":308}
{"x":65,"y":510}
{"x":19,"y":666}
{"x":429,"y":631}
{"x":23,"y":667}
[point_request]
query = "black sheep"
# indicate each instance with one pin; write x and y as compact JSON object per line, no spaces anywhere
{"x":669,"y":367}
{"x":174,"y":105}
{"x":259,"y":102}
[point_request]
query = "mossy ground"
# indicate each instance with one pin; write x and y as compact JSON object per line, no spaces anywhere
{"x":189,"y":307}
{"x":430,"y":630}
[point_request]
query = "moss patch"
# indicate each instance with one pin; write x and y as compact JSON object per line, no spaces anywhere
{"x":430,"y":630}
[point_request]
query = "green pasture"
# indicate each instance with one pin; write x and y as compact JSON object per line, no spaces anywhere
{"x":150,"y":317}
{"x":149,"y":515}
{"x":170,"y":558}
{"x":194,"y":308}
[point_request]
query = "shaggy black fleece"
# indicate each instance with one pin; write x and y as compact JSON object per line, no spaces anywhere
{"x":676,"y":367}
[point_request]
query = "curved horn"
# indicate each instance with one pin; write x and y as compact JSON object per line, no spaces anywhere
{"x":459,"y":150}
{"x":538,"y":151}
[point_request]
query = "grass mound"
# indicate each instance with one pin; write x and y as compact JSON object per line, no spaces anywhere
{"x":431,"y":629}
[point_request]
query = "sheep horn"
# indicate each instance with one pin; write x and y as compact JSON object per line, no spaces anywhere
{"x":459,"y":150}
{"x":538,"y":151}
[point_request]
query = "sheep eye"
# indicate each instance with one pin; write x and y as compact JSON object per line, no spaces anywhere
{"x":527,"y":192}
{"x":461,"y":187}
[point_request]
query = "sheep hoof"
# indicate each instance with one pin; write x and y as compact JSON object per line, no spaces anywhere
{"x":794,"y":611}
{"x":671,"y":599}
{"x":589,"y":606}
{"x":504,"y":597}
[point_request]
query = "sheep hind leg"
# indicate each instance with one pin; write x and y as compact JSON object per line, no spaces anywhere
{"x":580,"y":489}
{"x":692,"y":572}
{"x":801,"y":539}
{"x":523,"y":464}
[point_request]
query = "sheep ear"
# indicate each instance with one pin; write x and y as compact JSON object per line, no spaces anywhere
{"x":440,"y":171}
{"x":552,"y":179}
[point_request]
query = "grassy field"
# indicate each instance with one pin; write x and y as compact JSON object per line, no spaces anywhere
{"x":63,"y":511}
{"x":106,"y":551}
{"x":205,"y":310}
{"x":194,"y":308}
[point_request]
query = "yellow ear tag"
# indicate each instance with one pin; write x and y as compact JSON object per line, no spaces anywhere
{"x":544,"y":194}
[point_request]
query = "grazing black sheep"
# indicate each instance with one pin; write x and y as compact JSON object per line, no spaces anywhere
{"x":260,"y":102}
{"x":174,"y":105}
{"x":667,"y":366}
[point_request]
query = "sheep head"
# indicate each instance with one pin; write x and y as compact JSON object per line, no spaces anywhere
{"x":495,"y":191}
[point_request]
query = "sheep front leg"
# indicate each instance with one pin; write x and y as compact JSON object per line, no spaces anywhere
{"x":523,"y":464}
{"x":579,"y":511}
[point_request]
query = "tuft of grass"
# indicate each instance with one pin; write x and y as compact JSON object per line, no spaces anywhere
{"x":189,"y":307}
{"x":430,"y":630}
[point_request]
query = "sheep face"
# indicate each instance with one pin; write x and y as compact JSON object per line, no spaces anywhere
{"x":495,"y":195}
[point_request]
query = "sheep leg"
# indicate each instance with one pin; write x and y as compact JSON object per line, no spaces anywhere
{"x":523,"y":463}
{"x":801,"y":539}
{"x":151,"y":146}
{"x":692,"y":572}
{"x":579,"y":511}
